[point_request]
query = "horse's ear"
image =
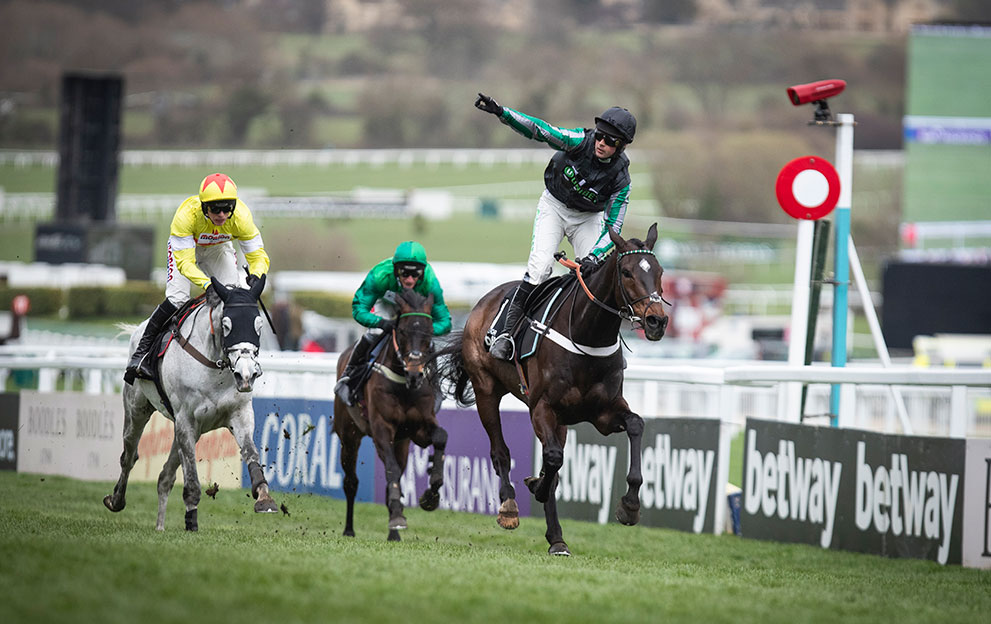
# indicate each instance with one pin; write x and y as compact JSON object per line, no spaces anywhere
{"x":258,"y":287}
{"x":651,"y":236}
{"x":615,"y":237}
{"x":222,"y":291}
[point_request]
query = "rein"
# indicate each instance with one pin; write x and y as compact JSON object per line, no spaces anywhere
{"x":626,"y":312}
{"x":191,"y":350}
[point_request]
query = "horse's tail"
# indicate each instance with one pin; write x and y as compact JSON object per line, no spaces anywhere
{"x":126,"y":329}
{"x":451,"y":370}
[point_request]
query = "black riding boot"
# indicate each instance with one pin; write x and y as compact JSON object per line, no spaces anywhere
{"x":140,"y":367}
{"x":345,"y":387}
{"x":502,"y":345}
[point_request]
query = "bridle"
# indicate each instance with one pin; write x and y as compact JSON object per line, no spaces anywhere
{"x":225,"y":360}
{"x":412,"y":362}
{"x":624,"y":312}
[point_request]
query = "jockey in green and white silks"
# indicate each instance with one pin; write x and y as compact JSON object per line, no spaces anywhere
{"x":373,"y":305}
{"x":583,"y":197}
{"x":586,"y":194}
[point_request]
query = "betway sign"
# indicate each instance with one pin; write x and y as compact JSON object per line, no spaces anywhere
{"x":679,"y":461}
{"x":898,"y":496}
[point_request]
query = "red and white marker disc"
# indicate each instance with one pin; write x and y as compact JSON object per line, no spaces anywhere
{"x":808,"y":188}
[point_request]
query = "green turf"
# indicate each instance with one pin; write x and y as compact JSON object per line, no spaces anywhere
{"x":67,"y":559}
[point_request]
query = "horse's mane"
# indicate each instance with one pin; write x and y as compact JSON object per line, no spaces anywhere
{"x":412,"y":298}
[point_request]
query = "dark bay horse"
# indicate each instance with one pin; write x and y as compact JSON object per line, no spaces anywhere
{"x":207,"y":373}
{"x":397,"y":405}
{"x":576,"y":374}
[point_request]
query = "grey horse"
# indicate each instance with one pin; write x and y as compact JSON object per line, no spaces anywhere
{"x":207,"y":375}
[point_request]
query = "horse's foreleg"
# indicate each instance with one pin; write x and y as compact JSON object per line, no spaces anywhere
{"x":185,"y":439}
{"x":628,"y":510}
{"x":242,"y":426}
{"x":554,"y":535}
{"x":349,"y":460}
{"x":384,"y":435}
{"x":488,"y":413}
{"x":137,"y":411}
{"x":166,"y":479}
{"x":430,"y":499}
{"x":552,"y":437}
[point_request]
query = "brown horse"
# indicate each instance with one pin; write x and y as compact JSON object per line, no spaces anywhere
{"x":396,"y":405}
{"x":575,"y":375}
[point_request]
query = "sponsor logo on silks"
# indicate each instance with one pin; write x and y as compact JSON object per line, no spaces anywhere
{"x":206,"y":238}
{"x":7,"y":445}
{"x":587,"y":476}
{"x":578,"y":184}
{"x":677,"y":479}
{"x":906,"y":502}
{"x":471,"y":484}
{"x":800,"y":488}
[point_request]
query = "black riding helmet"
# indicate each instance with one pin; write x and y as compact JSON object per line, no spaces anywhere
{"x":617,"y":122}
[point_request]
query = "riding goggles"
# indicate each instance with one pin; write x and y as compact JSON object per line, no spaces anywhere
{"x":223,"y":206}
{"x":611,"y":141}
{"x":416,"y":272}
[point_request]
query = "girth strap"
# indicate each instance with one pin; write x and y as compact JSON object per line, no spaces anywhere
{"x":566,"y":343}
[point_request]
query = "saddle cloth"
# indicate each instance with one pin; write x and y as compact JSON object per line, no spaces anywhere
{"x":542,"y":306}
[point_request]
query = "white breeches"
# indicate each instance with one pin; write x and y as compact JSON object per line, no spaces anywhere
{"x":219,"y":261}
{"x":553,"y":222}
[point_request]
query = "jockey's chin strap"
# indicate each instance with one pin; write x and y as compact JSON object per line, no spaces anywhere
{"x":625,"y":312}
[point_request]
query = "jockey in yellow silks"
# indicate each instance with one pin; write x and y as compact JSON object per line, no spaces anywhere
{"x":203,"y":228}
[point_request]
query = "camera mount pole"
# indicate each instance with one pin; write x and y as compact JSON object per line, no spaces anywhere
{"x":844,"y":167}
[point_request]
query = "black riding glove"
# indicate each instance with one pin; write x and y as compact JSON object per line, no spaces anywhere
{"x":386,"y":326}
{"x":488,"y":105}
{"x":252,"y":279}
{"x":590,"y":263}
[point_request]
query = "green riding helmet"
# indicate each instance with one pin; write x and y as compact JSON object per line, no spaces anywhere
{"x":410,"y":255}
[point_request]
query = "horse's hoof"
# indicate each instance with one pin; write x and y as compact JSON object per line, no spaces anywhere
{"x":191,"y":524}
{"x":394,"y":536}
{"x":509,"y":515}
{"x":399,"y":522}
{"x":348,"y":532}
{"x":559,"y":549}
{"x":626,"y":515}
{"x":266,"y":505}
{"x":108,"y":501}
{"x":430,"y":500}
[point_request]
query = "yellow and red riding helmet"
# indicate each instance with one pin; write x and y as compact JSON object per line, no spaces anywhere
{"x":218,"y":187}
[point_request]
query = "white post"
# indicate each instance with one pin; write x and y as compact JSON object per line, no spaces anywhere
{"x":791,"y":405}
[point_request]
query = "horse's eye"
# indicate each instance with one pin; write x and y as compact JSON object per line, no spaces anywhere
{"x":626,"y":273}
{"x":258,"y":325}
{"x":227,"y":325}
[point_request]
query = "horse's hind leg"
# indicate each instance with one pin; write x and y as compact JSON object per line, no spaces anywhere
{"x":488,"y":413}
{"x":166,"y":480}
{"x":430,"y":499}
{"x":137,"y":411}
{"x":350,"y":442}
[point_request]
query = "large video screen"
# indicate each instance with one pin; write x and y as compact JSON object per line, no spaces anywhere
{"x":947,"y":127}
